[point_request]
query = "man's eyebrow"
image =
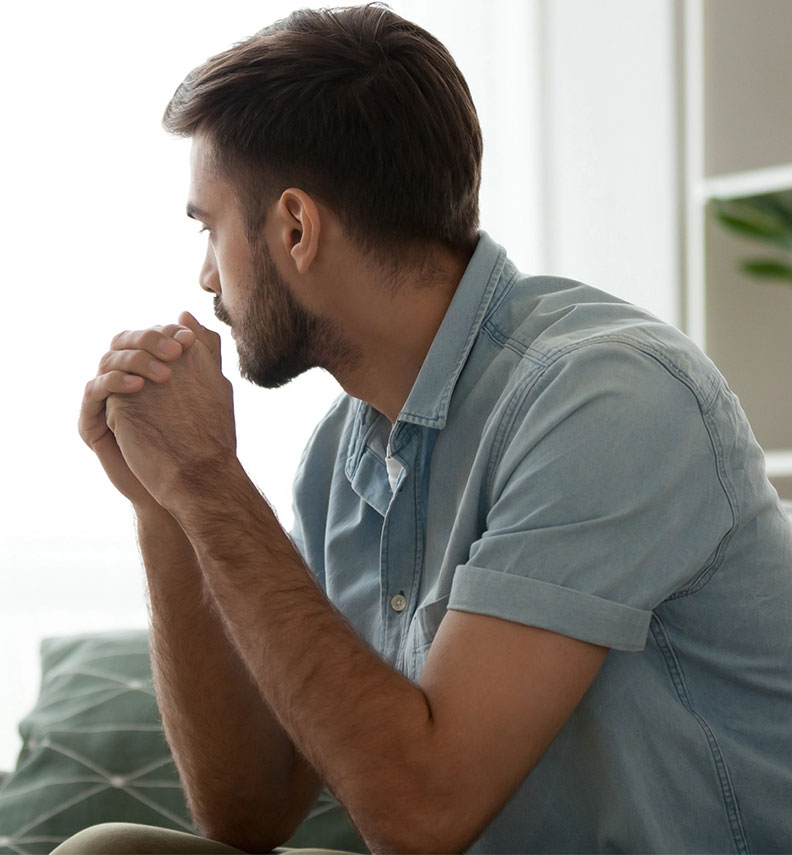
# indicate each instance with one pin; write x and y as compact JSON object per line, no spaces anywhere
{"x":195,"y":213}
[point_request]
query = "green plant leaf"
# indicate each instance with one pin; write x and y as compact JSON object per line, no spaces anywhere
{"x":776,"y":205}
{"x":767,"y":225}
{"x":767,"y":269}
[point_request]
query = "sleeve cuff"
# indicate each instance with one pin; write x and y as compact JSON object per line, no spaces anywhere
{"x":542,"y":604}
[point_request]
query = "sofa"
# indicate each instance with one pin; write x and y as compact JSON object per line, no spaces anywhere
{"x":94,"y":750}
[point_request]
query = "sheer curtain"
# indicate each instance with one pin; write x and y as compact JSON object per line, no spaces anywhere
{"x":95,"y":241}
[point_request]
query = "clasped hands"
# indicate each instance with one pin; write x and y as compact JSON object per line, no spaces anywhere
{"x":160,"y":412}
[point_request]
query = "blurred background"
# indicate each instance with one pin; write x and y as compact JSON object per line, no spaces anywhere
{"x":644,"y":146}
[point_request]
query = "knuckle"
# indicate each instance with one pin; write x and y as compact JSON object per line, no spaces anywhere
{"x":152,"y":338}
{"x":106,"y":380}
{"x":113,"y":380}
{"x":134,"y":361}
{"x":118,"y":339}
{"x":149,"y":338}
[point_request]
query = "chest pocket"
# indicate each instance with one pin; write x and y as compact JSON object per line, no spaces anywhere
{"x":421,"y":635}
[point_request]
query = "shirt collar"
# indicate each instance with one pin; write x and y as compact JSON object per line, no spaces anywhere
{"x":428,"y":401}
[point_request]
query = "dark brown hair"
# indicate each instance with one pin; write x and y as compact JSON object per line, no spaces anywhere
{"x":357,"y":106}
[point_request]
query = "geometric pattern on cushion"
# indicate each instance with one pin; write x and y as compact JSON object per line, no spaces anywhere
{"x":94,"y":750}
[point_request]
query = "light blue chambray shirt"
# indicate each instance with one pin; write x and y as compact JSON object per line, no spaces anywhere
{"x":566,"y":460}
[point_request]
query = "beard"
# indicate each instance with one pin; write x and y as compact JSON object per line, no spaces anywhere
{"x":277,"y":338}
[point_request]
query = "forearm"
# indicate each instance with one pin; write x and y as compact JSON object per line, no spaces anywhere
{"x":244,"y":782}
{"x":360,"y":723}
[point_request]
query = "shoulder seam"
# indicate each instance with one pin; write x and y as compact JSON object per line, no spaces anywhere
{"x":705,"y":399}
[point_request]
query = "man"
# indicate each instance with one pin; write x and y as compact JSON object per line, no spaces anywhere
{"x":538,"y":591}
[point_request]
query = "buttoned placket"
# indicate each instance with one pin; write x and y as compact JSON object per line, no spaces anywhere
{"x":401,"y":544}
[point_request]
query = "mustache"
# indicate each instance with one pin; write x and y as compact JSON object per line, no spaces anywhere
{"x":220,"y":311}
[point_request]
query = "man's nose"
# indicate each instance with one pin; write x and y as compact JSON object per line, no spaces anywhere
{"x":209,"y":278}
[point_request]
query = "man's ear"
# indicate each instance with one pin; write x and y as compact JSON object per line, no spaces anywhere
{"x":300,"y":227}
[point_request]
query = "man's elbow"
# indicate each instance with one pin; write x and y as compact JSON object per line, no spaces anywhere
{"x":422,"y":821}
{"x":256,"y":829}
{"x":245,"y":835}
{"x":419,"y":835}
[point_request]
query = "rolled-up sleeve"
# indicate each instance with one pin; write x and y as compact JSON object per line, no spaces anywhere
{"x":605,"y":498}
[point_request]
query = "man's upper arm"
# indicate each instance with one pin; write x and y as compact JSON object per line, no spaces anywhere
{"x":498,"y":692}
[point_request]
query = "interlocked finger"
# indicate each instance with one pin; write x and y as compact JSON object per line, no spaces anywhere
{"x":138,"y":362}
{"x":159,"y":342}
{"x":92,"y":419}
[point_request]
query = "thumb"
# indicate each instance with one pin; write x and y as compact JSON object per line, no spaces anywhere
{"x":208,"y":337}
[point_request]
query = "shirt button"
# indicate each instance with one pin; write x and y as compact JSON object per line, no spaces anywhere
{"x":399,"y":603}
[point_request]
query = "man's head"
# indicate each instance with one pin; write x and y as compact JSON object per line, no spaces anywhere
{"x":363,"y":111}
{"x":356,"y":106}
{"x":277,"y":337}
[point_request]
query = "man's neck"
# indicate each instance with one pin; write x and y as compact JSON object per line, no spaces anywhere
{"x":394,"y":335}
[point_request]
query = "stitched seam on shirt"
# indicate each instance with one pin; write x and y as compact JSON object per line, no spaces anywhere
{"x":357,"y":441}
{"x":708,"y":571}
{"x":417,"y":556}
{"x":406,"y":432}
{"x":730,"y":801}
{"x":521,"y":349}
{"x":706,"y":397}
{"x":383,"y":556}
{"x":464,"y":353}
{"x":507,"y":425}
{"x":505,"y":289}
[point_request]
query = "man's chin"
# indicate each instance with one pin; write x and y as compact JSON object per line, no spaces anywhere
{"x":270,"y":376}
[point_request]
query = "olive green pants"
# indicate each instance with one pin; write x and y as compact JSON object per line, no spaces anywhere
{"x":124,"y":838}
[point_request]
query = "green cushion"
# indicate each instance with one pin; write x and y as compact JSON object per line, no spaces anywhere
{"x":94,"y":751}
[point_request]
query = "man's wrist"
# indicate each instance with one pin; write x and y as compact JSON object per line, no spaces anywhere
{"x":198,"y":486}
{"x":210,"y":491}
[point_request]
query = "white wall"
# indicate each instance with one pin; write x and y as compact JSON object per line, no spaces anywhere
{"x":495,"y":43}
{"x":612,"y":189}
